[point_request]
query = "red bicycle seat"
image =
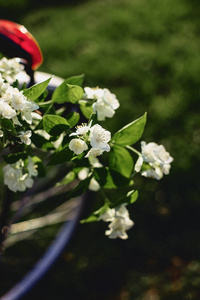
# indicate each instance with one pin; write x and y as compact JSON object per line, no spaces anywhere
{"x":17,"y":41}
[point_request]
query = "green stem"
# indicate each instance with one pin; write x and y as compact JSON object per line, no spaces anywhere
{"x":107,"y":201}
{"x":134,"y":150}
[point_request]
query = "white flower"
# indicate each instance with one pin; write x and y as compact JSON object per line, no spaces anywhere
{"x":77,"y":146}
{"x":18,"y":99}
{"x":120,"y":222}
{"x":16,"y":178}
{"x":6,"y":111}
{"x":93,"y":185}
{"x":93,"y":93}
{"x":24,"y":182}
{"x":94,"y":152}
{"x":108,"y":215}
{"x":30,"y":105}
{"x":103,"y":110}
{"x":25,"y":137}
{"x":110,"y":99}
{"x":96,"y":135}
{"x":27,"y":115}
{"x":11,"y":176}
{"x":1,"y":133}
{"x":27,"y":110}
{"x":100,"y":137}
{"x":153,"y":152}
{"x":105,"y":103}
{"x":95,"y":162}
{"x":3,"y":85}
{"x":10,"y":68}
{"x":138,"y":164}
{"x":16,"y":121}
{"x":81,"y":130}
{"x":118,"y":228}
{"x":83,"y":174}
{"x":13,"y":103}
{"x":158,"y":158}
{"x":153,"y":173}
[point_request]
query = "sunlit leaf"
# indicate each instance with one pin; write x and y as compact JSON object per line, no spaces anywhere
{"x":73,"y":118}
{"x":131,"y":196}
{"x":131,"y":133}
{"x":60,"y":95}
{"x":75,"y":93}
{"x":54,"y":125}
{"x":86,"y":108}
{"x":36,"y":90}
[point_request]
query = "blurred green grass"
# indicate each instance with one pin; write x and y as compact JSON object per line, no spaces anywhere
{"x":147,"y":52}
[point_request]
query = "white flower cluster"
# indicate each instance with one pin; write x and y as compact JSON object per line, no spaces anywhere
{"x":96,"y":136}
{"x":17,"y":178}
{"x":9,"y":68}
{"x":120,"y":222}
{"x":105,"y":102}
{"x":158,"y":159}
{"x":13,"y":103}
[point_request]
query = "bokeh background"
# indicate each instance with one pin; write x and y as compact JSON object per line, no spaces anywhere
{"x":147,"y":53}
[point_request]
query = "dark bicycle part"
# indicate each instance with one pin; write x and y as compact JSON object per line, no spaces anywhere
{"x":49,"y":258}
{"x":17,"y":41}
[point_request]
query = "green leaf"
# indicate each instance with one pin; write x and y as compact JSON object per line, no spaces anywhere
{"x":7,"y":124}
{"x":75,"y":93}
{"x":67,"y":179}
{"x":110,"y":179}
{"x":60,"y":95}
{"x":120,"y":196}
{"x":131,"y":133}
{"x":121,"y":161}
{"x":86,"y":108}
{"x":73,"y":118}
{"x":119,"y":180}
{"x":76,"y":80}
{"x":54,"y":125}
{"x":60,"y":157}
{"x":40,"y":142}
{"x":91,"y":218}
{"x":93,"y":119}
{"x":36,"y":90}
{"x":104,"y":178}
{"x":132,"y":196}
{"x":79,"y":189}
{"x":95,"y":215}
{"x":14,"y":157}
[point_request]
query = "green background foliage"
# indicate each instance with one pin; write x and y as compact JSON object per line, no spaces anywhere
{"x":147,"y":53}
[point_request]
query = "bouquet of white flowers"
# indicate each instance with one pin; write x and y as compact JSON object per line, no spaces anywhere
{"x":38,"y":133}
